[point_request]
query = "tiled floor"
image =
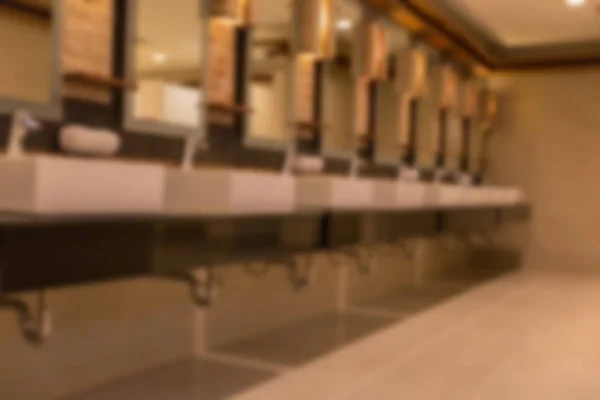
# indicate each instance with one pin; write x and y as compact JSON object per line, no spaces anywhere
{"x":303,"y":341}
{"x":229,"y":370}
{"x":192,"y":379}
{"x":521,"y":337}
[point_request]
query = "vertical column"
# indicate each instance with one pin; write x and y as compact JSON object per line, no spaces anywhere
{"x":469,"y":107}
{"x":226,"y":62}
{"x":446,"y":119}
{"x":411,"y":84}
{"x":370,"y":67}
{"x":488,"y":111}
{"x":87,"y":46}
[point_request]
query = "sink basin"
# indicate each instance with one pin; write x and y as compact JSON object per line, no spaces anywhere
{"x":450,"y":195}
{"x":228,"y":191}
{"x":335,"y":192}
{"x":63,"y":185}
{"x":385,"y":193}
{"x":414,"y":195}
{"x":503,"y":195}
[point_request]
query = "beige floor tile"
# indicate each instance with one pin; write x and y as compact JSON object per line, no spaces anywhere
{"x":524,"y":336}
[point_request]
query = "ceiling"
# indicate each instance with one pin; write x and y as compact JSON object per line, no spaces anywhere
{"x":530,"y":23}
{"x":505,"y":34}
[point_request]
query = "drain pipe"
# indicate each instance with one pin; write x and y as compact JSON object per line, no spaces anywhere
{"x":35,"y":329}
{"x":201,"y":288}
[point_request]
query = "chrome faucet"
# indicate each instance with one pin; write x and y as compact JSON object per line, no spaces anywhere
{"x":22,"y":124}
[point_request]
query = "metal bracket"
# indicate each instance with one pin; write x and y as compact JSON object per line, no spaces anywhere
{"x":408,"y":253}
{"x":35,"y":329}
{"x":201,"y":289}
{"x":299,"y":273}
{"x":486,"y":237}
{"x":363,"y":260}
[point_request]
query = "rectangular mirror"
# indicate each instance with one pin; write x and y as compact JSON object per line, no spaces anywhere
{"x":370,"y":66}
{"x":445,"y":118}
{"x":270,"y":75}
{"x":30,"y":71}
{"x":338,"y":85}
{"x":389,"y":101}
{"x":410,"y":76}
{"x":164,"y":57}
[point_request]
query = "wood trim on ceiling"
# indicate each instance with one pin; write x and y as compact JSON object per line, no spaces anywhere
{"x":27,"y":8}
{"x":443,"y":29}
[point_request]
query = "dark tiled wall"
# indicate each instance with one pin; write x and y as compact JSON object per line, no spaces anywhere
{"x":379,"y":171}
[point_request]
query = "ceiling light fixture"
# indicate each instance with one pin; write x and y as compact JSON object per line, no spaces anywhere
{"x":343,"y":24}
{"x":575,"y":3}
{"x":159,"y":58}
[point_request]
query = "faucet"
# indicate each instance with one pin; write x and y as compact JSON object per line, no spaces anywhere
{"x":36,"y":329}
{"x":22,"y":124}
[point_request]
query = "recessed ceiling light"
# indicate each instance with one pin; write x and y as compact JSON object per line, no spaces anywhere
{"x":343,"y":24}
{"x":575,"y":3}
{"x":159,"y":58}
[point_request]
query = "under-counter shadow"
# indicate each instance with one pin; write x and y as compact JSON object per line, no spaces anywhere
{"x":409,"y":300}
{"x":189,"y":379}
{"x":301,"y":342}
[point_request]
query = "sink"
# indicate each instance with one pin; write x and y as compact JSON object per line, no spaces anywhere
{"x":491,"y":195}
{"x":385,"y":193}
{"x":503,"y":195}
{"x":228,"y":191}
{"x":446,"y":195}
{"x":413,"y":194}
{"x":63,"y":185}
{"x":335,"y":192}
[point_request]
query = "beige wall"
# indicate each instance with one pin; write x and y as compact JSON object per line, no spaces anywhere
{"x":547,"y":142}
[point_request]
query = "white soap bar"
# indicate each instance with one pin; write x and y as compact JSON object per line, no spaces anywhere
{"x":79,"y":139}
{"x":409,"y":174}
{"x":308,"y":164}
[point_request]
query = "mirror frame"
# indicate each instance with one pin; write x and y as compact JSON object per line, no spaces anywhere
{"x":51,"y":110}
{"x":136,"y":125}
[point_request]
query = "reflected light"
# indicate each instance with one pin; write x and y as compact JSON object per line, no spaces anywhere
{"x":159,"y":58}
{"x":575,"y":3}
{"x":343,"y":24}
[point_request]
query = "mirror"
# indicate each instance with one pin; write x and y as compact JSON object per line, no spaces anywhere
{"x":388,"y":117}
{"x":165,"y":60}
{"x":410,"y":76}
{"x":468,"y":97}
{"x":30,"y":71}
{"x":338,"y":85}
{"x":371,"y":68}
{"x":270,"y":75}
{"x":446,"y":117}
{"x":487,"y":110}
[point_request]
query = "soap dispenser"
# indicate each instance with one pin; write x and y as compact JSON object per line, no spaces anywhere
{"x":22,"y":124}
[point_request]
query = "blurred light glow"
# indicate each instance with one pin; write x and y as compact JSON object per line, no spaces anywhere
{"x":159,"y":58}
{"x":343,"y":24}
